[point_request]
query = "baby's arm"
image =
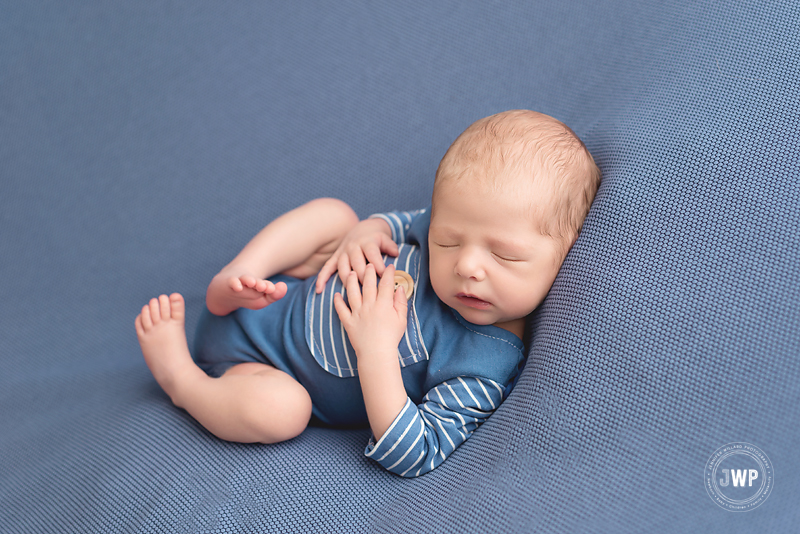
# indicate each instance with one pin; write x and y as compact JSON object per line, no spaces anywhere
{"x":421,"y":437}
{"x":311,"y":231}
{"x":375,"y":322}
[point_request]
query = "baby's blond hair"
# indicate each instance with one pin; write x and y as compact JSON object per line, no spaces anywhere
{"x":543,"y":151}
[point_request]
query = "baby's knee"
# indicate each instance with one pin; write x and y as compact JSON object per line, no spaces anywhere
{"x":338,"y":212}
{"x":297,"y":413}
{"x":288,"y":412}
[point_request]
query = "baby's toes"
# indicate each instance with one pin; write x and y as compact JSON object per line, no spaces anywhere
{"x":278,"y":291}
{"x":235,"y":284}
{"x":155,"y":311}
{"x":178,"y":306}
{"x":145,"y":319}
{"x":138,"y":325}
{"x":164,"y":307}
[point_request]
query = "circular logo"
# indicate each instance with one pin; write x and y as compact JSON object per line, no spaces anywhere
{"x":739,"y":477}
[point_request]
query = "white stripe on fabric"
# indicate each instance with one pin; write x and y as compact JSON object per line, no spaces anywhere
{"x":439,"y":417}
{"x":321,"y":345}
{"x":410,"y":448}
{"x":447,"y":435}
{"x":419,"y":458}
{"x":416,"y":322}
{"x":394,"y":423}
{"x":322,"y":330}
{"x":401,"y":438}
{"x":477,"y":403}
{"x":401,"y":234}
{"x":489,"y":398}
{"x":468,"y":390}
{"x":344,"y":343}
{"x":444,"y":405}
{"x":311,"y":323}
{"x":496,"y":385}
{"x":458,"y":399}
{"x":331,"y":311}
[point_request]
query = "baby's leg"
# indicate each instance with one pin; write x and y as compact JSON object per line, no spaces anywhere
{"x":250,"y":403}
{"x":297,"y":243}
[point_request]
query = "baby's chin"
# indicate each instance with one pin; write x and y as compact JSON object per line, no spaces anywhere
{"x":475,"y":316}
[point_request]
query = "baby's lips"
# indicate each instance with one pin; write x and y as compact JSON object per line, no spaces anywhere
{"x":472,"y":301}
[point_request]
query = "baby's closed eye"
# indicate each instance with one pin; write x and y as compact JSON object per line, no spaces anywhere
{"x":507,"y":258}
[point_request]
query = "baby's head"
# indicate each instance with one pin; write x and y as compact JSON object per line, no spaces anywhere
{"x":509,"y":200}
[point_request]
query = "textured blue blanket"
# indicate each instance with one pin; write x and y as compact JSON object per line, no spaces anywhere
{"x":141,"y":145}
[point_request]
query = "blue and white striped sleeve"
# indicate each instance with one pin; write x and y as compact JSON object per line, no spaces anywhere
{"x":422,"y":437}
{"x":399,"y":222}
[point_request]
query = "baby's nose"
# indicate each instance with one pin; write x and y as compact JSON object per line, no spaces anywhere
{"x":469,"y":265}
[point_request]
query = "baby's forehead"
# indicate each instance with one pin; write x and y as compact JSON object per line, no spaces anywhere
{"x":523,"y":199}
{"x":523,"y":185}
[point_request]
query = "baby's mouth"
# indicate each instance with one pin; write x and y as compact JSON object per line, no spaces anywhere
{"x":472,"y":301}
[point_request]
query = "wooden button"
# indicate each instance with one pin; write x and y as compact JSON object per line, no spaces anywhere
{"x":404,"y":280}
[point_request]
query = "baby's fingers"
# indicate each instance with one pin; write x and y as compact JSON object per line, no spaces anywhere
{"x":325,"y":273}
{"x":341,"y":308}
{"x":370,"y":285}
{"x":357,"y":262}
{"x":353,"y":291}
{"x":374,"y":257}
{"x":400,"y":304}
{"x":344,"y":267}
{"x":386,"y":285}
{"x":389,"y":246}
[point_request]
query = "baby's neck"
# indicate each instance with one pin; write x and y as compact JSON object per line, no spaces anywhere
{"x":515,"y":326}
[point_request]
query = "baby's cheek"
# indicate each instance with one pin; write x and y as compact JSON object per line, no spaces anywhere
{"x":436,"y":282}
{"x":522,"y":296}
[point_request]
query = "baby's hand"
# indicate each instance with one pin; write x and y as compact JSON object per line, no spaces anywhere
{"x":375,"y":321}
{"x":365,"y":243}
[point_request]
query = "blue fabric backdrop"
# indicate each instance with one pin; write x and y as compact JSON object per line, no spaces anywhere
{"x":143,"y":144}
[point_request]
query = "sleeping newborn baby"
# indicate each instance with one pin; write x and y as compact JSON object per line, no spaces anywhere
{"x":410,"y":322}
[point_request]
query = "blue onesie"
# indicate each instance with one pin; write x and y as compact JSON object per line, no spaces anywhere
{"x":455,"y":373}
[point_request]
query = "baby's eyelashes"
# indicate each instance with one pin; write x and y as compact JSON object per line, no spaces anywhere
{"x":506,"y":258}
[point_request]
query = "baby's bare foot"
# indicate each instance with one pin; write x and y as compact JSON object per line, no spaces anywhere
{"x":162,"y":336}
{"x":228,"y":293}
